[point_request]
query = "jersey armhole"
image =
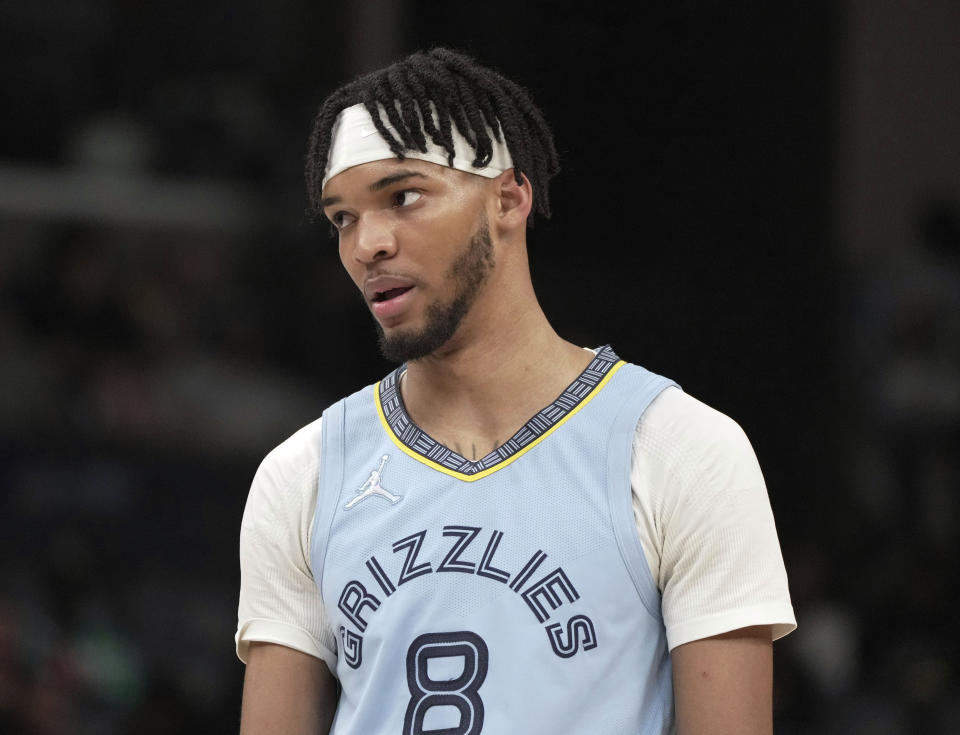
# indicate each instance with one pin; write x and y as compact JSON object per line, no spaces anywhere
{"x":329,"y":482}
{"x":619,"y":494}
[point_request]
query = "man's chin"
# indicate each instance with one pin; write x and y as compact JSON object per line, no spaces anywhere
{"x":403,"y":345}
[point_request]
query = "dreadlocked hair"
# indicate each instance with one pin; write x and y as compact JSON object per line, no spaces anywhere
{"x":475,"y":99}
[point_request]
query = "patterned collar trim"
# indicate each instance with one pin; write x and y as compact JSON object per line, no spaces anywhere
{"x":416,"y":442}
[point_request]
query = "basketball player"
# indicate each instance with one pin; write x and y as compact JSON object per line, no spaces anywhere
{"x":509,"y":533}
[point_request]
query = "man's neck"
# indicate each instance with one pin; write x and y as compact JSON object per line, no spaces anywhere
{"x":480,"y":389}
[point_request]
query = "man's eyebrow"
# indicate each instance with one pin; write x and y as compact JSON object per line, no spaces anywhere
{"x":394,"y":178}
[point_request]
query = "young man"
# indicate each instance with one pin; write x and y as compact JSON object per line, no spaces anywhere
{"x":428,"y":558}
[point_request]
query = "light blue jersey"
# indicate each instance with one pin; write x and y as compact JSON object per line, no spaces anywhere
{"x":508,"y":595}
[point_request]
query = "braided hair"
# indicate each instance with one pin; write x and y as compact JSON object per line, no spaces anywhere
{"x":477,"y":100}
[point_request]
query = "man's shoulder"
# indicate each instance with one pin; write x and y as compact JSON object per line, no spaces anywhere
{"x":694,"y":429}
{"x":676,"y":410}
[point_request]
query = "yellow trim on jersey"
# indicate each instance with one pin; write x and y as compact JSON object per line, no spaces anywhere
{"x":503,"y":463}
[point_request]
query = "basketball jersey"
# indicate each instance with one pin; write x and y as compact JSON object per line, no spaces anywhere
{"x":506,"y":595}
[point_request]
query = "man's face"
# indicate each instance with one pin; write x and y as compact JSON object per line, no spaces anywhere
{"x":414,"y":238}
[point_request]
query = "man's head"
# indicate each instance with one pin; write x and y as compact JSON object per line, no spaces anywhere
{"x":440,"y":100}
{"x":424,"y":169}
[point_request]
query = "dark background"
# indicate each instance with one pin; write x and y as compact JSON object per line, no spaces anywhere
{"x":760,"y":201}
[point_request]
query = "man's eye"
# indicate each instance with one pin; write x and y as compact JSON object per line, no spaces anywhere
{"x":342,"y":219}
{"x":406,"y":197}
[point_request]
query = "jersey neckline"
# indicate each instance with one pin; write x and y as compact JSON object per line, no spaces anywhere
{"x":415,"y":442}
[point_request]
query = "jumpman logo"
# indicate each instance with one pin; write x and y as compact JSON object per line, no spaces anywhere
{"x":373,"y":487}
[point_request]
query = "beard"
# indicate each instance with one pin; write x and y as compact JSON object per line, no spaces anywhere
{"x":469,"y":271}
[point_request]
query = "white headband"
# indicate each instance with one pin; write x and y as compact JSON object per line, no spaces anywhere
{"x":354,"y":140}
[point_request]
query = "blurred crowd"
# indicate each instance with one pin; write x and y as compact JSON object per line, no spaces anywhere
{"x":149,"y":357}
{"x":873,"y":582}
{"x":138,"y":390}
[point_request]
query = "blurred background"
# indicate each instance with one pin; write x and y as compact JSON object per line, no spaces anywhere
{"x":761,"y":200}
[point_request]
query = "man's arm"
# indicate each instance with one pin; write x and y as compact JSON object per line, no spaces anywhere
{"x":724,"y":685}
{"x":286,"y":692}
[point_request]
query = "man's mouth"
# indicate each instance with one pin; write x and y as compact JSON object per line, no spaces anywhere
{"x":390,"y":293}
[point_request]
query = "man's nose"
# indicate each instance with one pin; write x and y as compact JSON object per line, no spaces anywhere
{"x":375,"y":237}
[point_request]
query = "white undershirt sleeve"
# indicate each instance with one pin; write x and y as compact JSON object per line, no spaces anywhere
{"x":705,"y":523}
{"x":279,"y":600}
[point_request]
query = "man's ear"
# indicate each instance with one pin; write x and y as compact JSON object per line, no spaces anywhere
{"x":514,"y":201}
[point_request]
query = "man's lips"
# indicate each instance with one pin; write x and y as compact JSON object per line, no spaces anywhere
{"x":388,"y":296}
{"x":384,"y":288}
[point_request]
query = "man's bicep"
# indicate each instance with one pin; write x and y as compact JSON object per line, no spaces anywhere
{"x":724,"y":684}
{"x":286,"y":692}
{"x":279,"y":598}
